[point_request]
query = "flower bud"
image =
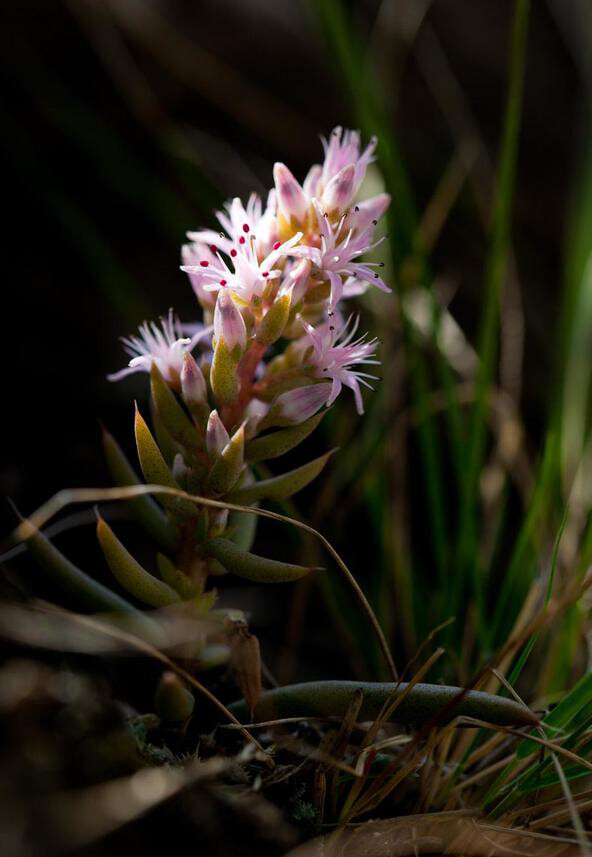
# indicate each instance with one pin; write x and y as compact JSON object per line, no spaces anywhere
{"x":364,"y":214}
{"x":246,"y":661}
{"x":193,"y":384}
{"x":216,"y":435}
{"x":299,"y":280}
{"x":292,"y":201}
{"x":298,"y":405}
{"x":229,"y":325}
{"x":338,"y":193}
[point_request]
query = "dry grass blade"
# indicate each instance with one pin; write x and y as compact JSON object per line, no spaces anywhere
{"x":572,"y":809}
{"x":67,"y":497}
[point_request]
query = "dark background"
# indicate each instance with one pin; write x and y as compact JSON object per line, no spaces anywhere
{"x":125,"y":123}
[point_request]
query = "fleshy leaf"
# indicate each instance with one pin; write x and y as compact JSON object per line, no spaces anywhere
{"x":173,"y":417}
{"x":227,"y":467}
{"x":272,"y":324}
{"x":280,"y":487}
{"x":144,"y":510}
{"x":130,"y":574}
{"x":88,"y":592}
{"x":251,"y":566}
{"x":223,"y":377}
{"x":156,"y":471}
{"x":173,"y":702}
{"x":175,"y":578}
{"x":279,"y":442}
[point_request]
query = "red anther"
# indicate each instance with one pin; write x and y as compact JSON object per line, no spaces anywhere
{"x":265,"y":273}
{"x":204,"y":264}
{"x":241,"y":240}
{"x":245,"y":227}
{"x":222,"y":282}
{"x":233,"y":252}
{"x":277,"y":245}
{"x":213,"y":248}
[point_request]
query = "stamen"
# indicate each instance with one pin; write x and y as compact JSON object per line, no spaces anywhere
{"x":204,"y":264}
{"x":241,"y":240}
{"x":245,"y":227}
{"x":233,"y":252}
{"x":222,"y":282}
{"x":375,"y":222}
{"x":213,"y":248}
{"x":277,"y":245}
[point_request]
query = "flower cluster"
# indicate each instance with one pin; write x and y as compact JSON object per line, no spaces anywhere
{"x":277,"y":270}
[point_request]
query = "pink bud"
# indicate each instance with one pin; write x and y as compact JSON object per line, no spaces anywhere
{"x":292,"y":200}
{"x":303,"y":402}
{"x":228,"y":322}
{"x":216,"y":435}
{"x":193,"y":385}
{"x":310,"y":185}
{"x":298,"y":280}
{"x":339,"y":191}
{"x":362,"y":215}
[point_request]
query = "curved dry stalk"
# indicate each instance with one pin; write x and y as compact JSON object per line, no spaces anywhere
{"x":67,"y":496}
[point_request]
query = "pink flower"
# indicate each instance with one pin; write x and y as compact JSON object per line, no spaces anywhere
{"x":335,"y":355}
{"x":242,"y":224}
{"x":246,"y":276}
{"x":342,"y":149}
{"x":161,"y":345}
{"x":336,"y":257}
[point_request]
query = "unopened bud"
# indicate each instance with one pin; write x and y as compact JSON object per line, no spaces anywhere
{"x":338,"y":193}
{"x":229,"y":325}
{"x":193,"y":384}
{"x":292,"y":201}
{"x":216,"y":435}
{"x":295,"y":406}
{"x":300,"y":279}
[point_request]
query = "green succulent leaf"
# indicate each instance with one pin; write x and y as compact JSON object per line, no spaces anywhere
{"x":89,"y":593}
{"x":272,"y":324}
{"x":130,"y":574}
{"x":251,"y":566}
{"x":227,"y":467}
{"x":172,"y":415}
{"x":175,"y":578}
{"x":223,"y":377}
{"x":280,"y":487}
{"x":145,"y":511}
{"x":423,"y":703}
{"x":277,"y":443}
{"x":156,"y":470}
{"x":173,"y":702}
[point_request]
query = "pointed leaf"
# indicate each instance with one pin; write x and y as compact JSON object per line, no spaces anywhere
{"x":88,"y":592}
{"x":272,"y":325}
{"x":130,"y":574}
{"x":227,"y":467}
{"x":173,"y":417}
{"x":175,"y":578}
{"x":279,"y":442}
{"x":251,"y":566}
{"x":156,"y":471}
{"x":280,"y":487}
{"x":144,"y":510}
{"x":173,"y":702}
